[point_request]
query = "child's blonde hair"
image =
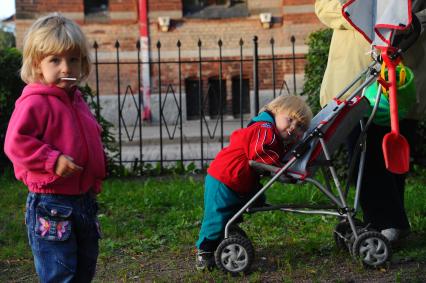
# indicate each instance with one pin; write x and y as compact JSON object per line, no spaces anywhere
{"x":295,"y":106}
{"x":52,"y":34}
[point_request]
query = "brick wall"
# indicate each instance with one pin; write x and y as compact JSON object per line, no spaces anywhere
{"x":161,"y":5}
{"x":291,"y":18}
{"x":32,"y":9}
{"x":123,"y":5}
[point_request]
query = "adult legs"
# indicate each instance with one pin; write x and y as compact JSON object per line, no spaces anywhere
{"x":382,"y":192}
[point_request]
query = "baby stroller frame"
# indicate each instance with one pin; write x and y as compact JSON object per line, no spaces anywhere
{"x":235,"y":253}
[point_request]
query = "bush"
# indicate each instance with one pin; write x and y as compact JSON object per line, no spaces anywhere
{"x":7,"y":39}
{"x":11,"y":87}
{"x":319,"y":45}
{"x":419,"y":151}
{"x":107,"y":137}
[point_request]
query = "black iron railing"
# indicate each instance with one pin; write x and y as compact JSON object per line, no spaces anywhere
{"x":189,"y":142}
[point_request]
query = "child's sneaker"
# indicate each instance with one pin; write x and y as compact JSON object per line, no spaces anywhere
{"x":204,"y":260}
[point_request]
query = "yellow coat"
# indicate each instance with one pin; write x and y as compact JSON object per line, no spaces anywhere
{"x":349,"y":51}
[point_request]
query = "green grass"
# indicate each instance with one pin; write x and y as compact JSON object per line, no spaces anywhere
{"x":150,"y":226}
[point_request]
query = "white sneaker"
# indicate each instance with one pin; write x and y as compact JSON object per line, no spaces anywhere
{"x":393,"y":234}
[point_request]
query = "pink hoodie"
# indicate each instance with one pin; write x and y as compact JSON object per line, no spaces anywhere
{"x":46,"y":123}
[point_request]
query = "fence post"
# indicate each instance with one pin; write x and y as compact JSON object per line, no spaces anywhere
{"x":140,"y":105}
{"x":159,"y":105}
{"x":293,"y":40}
{"x":200,"y":102}
{"x":117,"y":47}
{"x":241,"y":83}
{"x":179,"y":44}
{"x":219,"y":43}
{"x":98,"y":114}
{"x":272,"y":42}
{"x":256,"y":75}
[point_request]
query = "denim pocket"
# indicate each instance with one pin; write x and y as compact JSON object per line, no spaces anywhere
{"x":53,"y":221}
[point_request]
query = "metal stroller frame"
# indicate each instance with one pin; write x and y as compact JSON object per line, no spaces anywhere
{"x":235,"y":253}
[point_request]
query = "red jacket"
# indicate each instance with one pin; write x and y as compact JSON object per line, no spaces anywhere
{"x":261,"y":142}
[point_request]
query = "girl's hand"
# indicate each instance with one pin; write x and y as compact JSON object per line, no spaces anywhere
{"x":65,"y":166}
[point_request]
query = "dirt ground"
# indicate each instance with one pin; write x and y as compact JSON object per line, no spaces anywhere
{"x":179,"y":267}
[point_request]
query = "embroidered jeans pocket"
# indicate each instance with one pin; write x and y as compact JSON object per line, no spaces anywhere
{"x":53,"y":222}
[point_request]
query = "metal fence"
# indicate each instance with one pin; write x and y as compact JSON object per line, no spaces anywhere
{"x":180,"y":139}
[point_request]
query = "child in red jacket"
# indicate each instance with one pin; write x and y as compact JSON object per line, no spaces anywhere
{"x":55,"y":146}
{"x":231,"y":182}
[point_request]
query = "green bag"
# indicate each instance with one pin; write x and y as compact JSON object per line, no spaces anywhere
{"x":406,"y":96}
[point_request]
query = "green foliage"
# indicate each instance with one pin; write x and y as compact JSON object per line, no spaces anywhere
{"x":11,"y":87}
{"x":108,"y":138}
{"x":7,"y":40}
{"x":319,"y":45}
{"x":419,"y":151}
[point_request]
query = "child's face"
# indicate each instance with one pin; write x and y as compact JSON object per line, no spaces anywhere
{"x":288,"y":127}
{"x":55,"y":67}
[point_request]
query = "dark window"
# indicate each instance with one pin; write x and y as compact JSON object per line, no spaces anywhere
{"x":215,"y":9}
{"x":217,"y":98}
{"x":192,"y":99}
{"x":236,"y":94}
{"x":96,"y":9}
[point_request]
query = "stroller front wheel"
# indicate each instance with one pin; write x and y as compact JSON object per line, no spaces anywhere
{"x":234,"y":254}
{"x":372,"y":248}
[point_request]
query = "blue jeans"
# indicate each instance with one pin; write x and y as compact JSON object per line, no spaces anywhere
{"x":63,"y":233}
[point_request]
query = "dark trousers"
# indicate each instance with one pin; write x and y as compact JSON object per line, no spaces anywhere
{"x":382,"y":192}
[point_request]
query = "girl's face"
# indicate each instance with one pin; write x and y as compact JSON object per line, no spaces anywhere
{"x":290,"y":129}
{"x":62,"y":70}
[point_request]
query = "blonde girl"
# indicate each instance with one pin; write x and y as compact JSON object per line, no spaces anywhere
{"x":54,"y":143}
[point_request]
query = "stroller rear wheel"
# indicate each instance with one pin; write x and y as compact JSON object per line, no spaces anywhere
{"x":343,"y":235}
{"x":372,"y":248}
{"x":234,"y":254}
{"x":235,"y":230}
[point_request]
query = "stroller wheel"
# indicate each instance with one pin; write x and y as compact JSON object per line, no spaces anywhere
{"x":234,"y":255}
{"x":372,"y":248}
{"x":343,"y":233}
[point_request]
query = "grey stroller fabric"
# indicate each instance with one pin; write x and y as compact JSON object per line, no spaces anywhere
{"x":339,"y":122}
{"x":378,"y":19}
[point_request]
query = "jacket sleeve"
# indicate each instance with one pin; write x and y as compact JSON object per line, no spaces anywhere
{"x":264,"y":146}
{"x":329,"y":13}
{"x":23,"y":142}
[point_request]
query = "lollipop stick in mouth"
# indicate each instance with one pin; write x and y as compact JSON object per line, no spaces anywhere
{"x":69,"y":79}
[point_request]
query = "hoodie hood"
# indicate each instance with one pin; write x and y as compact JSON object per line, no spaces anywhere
{"x":41,"y":89}
{"x":263,"y":117}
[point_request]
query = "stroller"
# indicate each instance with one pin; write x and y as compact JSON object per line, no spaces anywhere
{"x":326,"y":134}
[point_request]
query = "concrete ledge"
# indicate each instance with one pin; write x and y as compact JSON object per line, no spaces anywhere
{"x":298,"y":9}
